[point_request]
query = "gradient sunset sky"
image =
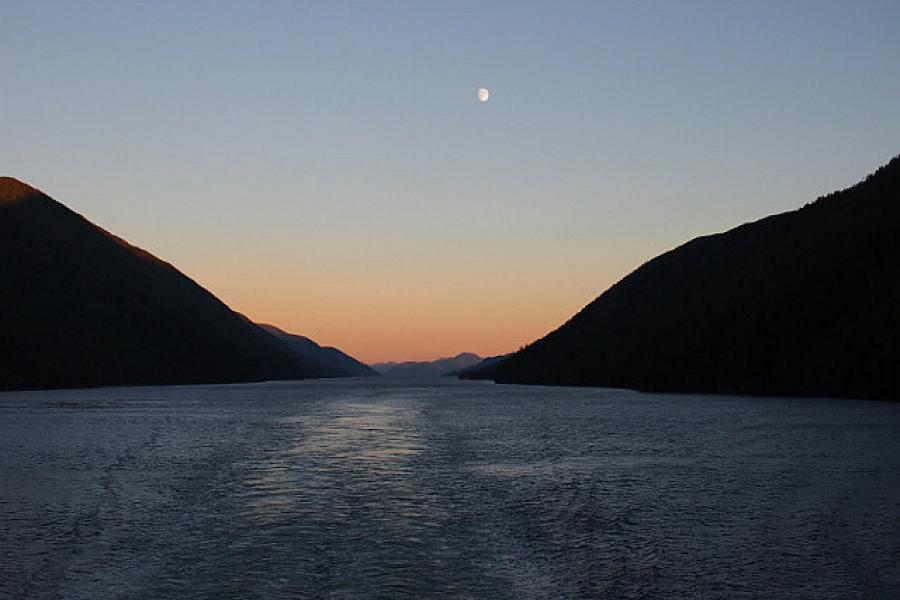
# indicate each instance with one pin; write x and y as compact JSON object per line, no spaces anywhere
{"x":327,"y":167}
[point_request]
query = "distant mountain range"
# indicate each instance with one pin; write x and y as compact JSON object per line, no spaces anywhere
{"x":482,"y":367}
{"x":436,"y":368}
{"x":801,"y":303}
{"x":331,"y":362}
{"x":82,"y":307}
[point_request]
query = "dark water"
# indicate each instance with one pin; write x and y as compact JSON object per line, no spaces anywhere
{"x":444,"y":490}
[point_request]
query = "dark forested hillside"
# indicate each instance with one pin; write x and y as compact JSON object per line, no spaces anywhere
{"x":801,"y":303}
{"x":81,"y":307}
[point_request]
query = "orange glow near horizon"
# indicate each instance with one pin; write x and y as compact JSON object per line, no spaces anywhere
{"x":378,"y":321}
{"x":413,"y":299}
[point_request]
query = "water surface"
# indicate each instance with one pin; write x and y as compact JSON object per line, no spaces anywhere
{"x":443,"y":489}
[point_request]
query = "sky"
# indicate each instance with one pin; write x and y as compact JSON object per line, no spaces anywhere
{"x":327,"y":166}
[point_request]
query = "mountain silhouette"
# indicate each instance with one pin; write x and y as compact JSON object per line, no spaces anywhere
{"x":482,"y":368}
{"x":330,"y":362}
{"x":82,"y":307}
{"x":436,"y":368}
{"x":801,"y":303}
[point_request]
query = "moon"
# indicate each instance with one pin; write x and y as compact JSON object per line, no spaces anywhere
{"x":483,"y":94}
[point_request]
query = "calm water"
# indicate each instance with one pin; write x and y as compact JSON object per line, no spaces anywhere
{"x":443,"y":489}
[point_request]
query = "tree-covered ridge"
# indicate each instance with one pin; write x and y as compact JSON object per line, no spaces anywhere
{"x":801,"y":303}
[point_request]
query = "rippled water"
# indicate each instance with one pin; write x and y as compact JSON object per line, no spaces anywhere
{"x":442,"y":489}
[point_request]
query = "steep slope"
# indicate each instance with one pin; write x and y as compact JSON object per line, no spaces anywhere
{"x":802,"y":303}
{"x":435,"y":368}
{"x":81,"y":307}
{"x":331,"y":361}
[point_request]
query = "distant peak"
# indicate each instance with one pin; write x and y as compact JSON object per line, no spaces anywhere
{"x":279,"y":332}
{"x":271,"y":328}
{"x":12,"y":190}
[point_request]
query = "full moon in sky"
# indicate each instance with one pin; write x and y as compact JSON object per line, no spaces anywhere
{"x":483,"y":94}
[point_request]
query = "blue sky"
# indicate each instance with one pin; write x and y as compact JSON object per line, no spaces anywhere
{"x":326,"y":166}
